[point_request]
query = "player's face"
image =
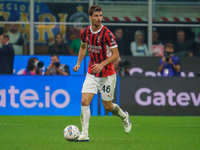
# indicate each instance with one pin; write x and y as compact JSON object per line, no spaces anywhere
{"x":96,"y":18}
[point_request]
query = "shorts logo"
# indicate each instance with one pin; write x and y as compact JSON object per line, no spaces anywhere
{"x":108,"y":95}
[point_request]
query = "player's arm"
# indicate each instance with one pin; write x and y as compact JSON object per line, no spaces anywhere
{"x":81,"y":55}
{"x":114,"y":56}
{"x":98,"y":67}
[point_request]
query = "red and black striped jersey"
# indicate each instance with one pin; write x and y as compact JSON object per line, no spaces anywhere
{"x":99,"y":44}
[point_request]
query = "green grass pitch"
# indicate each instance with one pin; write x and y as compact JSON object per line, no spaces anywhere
{"x":106,"y":133}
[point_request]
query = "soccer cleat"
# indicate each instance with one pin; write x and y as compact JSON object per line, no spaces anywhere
{"x":127,"y":123}
{"x":83,"y":138}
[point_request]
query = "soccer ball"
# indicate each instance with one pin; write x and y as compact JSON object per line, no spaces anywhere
{"x":71,"y":133}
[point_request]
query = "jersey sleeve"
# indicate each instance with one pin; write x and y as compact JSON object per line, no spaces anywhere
{"x":110,"y":40}
{"x":83,"y":36}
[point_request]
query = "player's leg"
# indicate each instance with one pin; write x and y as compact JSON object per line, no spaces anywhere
{"x":85,"y":111}
{"x":116,"y":110}
{"x":88,"y":91}
{"x":85,"y":116}
{"x":107,"y":91}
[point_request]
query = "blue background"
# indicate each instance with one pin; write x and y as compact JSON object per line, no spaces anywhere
{"x":71,"y":84}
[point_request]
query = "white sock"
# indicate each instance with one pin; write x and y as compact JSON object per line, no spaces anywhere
{"x":116,"y":110}
{"x":85,"y":117}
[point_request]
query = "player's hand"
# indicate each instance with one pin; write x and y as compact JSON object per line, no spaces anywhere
{"x":76,"y":68}
{"x":96,"y":68}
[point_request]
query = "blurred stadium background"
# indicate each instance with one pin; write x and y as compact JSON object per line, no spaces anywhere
{"x":144,"y":92}
{"x":164,"y":111}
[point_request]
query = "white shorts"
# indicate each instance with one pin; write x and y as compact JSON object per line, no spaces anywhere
{"x":105,"y":85}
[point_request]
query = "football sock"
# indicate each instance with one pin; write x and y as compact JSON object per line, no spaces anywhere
{"x":116,"y":110}
{"x":85,"y":117}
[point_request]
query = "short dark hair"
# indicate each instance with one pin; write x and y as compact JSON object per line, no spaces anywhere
{"x":94,"y":8}
{"x":170,"y":45}
{"x":54,"y":55}
{"x":5,"y":36}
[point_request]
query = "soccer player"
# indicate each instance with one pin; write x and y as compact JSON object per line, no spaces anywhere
{"x":101,"y":75}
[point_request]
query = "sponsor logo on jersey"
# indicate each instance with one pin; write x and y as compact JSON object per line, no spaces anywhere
{"x":94,"y":49}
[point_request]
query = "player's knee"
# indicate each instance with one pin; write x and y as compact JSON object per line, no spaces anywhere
{"x":107,"y":107}
{"x":84,"y":102}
